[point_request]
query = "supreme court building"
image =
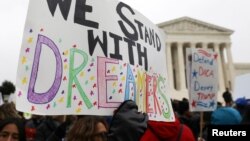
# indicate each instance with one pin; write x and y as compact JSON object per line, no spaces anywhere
{"x":187,"y":32}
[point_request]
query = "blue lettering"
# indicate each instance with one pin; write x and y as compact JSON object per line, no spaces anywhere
{"x":202,"y":59}
{"x":198,"y":87}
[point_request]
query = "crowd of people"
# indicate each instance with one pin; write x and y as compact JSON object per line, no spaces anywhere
{"x":127,"y":124}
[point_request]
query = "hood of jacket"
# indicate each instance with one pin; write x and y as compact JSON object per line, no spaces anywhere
{"x":162,"y":131}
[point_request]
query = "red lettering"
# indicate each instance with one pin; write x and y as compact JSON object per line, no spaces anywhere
{"x":202,"y":96}
{"x":103,"y":79}
{"x":205,"y":72}
{"x":151,"y":85}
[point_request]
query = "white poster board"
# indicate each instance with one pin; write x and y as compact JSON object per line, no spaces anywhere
{"x":86,"y":57}
{"x":241,"y":88}
{"x":203,"y":80}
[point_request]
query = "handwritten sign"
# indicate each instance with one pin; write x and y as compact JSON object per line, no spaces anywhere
{"x":86,"y":57}
{"x":202,"y":79}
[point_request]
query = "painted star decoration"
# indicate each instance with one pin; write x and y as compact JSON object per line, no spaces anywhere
{"x":212,"y":104}
{"x":194,"y":103}
{"x":194,"y":74}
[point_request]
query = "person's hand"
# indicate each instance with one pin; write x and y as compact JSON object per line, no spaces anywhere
{"x":201,"y":139}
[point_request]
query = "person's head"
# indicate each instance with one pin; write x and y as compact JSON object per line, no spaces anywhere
{"x":219,"y":104}
{"x":184,"y":108}
{"x":59,"y":118}
{"x":8,"y":110}
{"x":12,"y":129}
{"x":175,"y":104}
{"x":227,"y":96}
{"x":226,"y":116}
{"x":88,"y":128}
{"x":241,"y":102}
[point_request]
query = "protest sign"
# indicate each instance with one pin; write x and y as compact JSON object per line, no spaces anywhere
{"x":86,"y":57}
{"x":202,"y":79}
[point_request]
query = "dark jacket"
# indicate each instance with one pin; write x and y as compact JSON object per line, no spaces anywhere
{"x":127,"y":124}
{"x":45,"y":129}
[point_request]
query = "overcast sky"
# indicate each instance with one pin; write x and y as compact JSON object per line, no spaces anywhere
{"x":231,"y":14}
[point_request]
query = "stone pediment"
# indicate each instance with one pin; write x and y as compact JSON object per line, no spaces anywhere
{"x":189,"y":25}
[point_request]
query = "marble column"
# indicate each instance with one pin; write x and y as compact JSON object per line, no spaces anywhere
{"x":181,"y":66}
{"x":188,"y":67}
{"x":224,"y":68}
{"x":169,"y":65}
{"x":230,"y":65}
{"x":220,"y":69}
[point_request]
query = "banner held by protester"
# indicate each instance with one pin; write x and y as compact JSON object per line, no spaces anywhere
{"x":86,"y":57}
{"x":202,"y":79}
